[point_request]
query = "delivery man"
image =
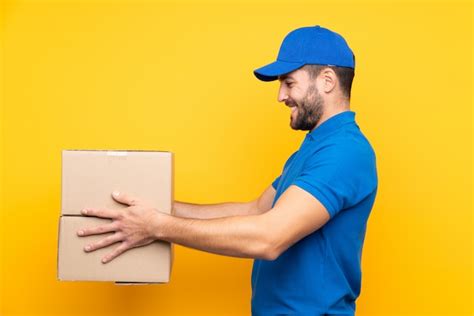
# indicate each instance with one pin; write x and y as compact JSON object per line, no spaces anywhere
{"x":307,"y":229}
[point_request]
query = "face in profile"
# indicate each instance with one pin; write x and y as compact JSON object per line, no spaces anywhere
{"x":303,"y":98}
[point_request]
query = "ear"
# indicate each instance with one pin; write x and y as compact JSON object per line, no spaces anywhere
{"x":327,"y":80}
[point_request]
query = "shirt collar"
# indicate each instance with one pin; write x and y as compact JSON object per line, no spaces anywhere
{"x":331,"y":124}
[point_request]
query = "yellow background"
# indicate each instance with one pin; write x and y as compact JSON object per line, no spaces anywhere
{"x":178,"y":76}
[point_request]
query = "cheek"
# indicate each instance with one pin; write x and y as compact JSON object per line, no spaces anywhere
{"x":296,"y":99}
{"x":296,"y":94}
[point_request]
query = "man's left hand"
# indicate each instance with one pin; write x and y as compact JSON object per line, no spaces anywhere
{"x":133,"y":226}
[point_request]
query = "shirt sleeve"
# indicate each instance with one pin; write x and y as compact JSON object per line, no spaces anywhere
{"x":275,"y":182}
{"x":339,"y":176}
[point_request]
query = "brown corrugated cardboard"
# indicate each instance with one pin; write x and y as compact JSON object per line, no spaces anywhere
{"x":144,"y":264}
{"x":88,"y":179}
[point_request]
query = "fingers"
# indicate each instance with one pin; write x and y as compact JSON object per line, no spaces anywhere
{"x":117,"y":252}
{"x":107,"y":241}
{"x":98,"y":230}
{"x":124,"y":198}
{"x":100,"y":212}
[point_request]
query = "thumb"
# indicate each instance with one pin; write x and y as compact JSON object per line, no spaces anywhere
{"x":124,"y":198}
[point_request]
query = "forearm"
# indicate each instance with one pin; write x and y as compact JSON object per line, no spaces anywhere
{"x":208,"y":211}
{"x":237,"y":236}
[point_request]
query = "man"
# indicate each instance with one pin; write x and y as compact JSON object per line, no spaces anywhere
{"x":307,"y":229}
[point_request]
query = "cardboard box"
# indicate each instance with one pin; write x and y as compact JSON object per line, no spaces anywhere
{"x":88,"y":179}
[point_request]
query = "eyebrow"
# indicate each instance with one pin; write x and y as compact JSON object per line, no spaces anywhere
{"x":283,"y":77}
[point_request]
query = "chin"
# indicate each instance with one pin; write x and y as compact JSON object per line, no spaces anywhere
{"x":296,"y":128}
{"x":300,"y":128}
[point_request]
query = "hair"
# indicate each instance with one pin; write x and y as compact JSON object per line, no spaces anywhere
{"x":345,"y":75}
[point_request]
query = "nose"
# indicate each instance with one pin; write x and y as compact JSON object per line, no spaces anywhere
{"x":282,"y":94}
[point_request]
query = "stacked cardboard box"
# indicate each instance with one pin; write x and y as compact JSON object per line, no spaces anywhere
{"x":88,"y":179}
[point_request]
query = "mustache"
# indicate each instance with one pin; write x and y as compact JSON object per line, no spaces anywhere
{"x":290,"y":103}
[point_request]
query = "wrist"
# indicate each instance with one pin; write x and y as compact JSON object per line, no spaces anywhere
{"x":159,"y":225}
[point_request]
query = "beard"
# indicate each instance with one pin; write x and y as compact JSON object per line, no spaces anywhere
{"x":309,"y":110}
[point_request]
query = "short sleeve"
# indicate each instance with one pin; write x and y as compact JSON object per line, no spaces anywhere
{"x":339,"y":176}
{"x":275,"y":182}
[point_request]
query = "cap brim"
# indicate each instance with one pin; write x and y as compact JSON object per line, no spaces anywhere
{"x":271,"y":71}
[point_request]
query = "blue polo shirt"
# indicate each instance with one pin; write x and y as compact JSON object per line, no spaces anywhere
{"x":321,"y":273}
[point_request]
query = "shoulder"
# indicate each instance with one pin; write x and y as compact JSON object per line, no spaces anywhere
{"x":347,"y":147}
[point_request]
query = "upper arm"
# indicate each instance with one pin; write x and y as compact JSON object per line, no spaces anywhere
{"x":334,"y":180}
{"x":296,"y":214}
{"x":340,"y":176}
{"x":264,"y":202}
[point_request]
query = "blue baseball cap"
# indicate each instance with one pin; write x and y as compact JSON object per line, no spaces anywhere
{"x":308,"y":45}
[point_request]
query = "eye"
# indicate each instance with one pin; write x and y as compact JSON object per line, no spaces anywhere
{"x":289,"y":83}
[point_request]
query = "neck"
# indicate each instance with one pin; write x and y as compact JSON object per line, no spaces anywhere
{"x":332,"y":110}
